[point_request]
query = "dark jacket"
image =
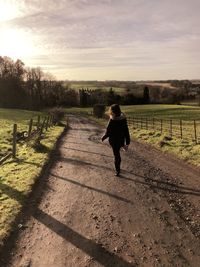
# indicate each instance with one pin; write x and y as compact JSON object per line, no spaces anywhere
{"x":117,"y":131}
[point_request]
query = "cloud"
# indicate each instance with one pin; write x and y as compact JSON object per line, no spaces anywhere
{"x":143,"y":36}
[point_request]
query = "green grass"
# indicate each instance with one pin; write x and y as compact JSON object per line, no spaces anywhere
{"x":163,"y":111}
{"x":18,"y":176}
{"x":185,"y":149}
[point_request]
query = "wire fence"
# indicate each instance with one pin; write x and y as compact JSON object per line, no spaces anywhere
{"x":183,"y":129}
{"x":35,"y":128}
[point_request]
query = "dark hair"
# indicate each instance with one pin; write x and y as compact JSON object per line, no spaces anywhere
{"x":115,"y":110}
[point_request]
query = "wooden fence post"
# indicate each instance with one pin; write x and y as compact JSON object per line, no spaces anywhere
{"x":195,"y":131}
{"x":47,"y":123}
{"x":181,"y":129}
{"x":42,"y":127}
{"x":38,"y":122}
{"x":171,"y":127}
{"x":14,"y":140}
{"x":30,"y":127}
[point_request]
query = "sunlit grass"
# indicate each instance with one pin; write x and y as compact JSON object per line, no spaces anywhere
{"x":184,"y":149}
{"x":163,"y":111}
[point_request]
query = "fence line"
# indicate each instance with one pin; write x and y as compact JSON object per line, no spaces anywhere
{"x":26,"y":136}
{"x":183,"y":129}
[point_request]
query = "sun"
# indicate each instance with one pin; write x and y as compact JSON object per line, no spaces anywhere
{"x":8,"y":10}
{"x":16,"y":43}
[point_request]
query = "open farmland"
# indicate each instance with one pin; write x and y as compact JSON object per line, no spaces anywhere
{"x":158,"y":84}
{"x":90,"y":86}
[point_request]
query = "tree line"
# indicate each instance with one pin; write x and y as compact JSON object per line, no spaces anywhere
{"x":31,"y":88}
{"x":92,"y":97}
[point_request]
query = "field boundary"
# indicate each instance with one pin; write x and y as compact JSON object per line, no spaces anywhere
{"x":26,"y":136}
{"x":182,"y":129}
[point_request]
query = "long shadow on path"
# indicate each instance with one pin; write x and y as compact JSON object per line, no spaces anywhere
{"x":162,"y":185}
{"x":157,"y":184}
{"x":89,"y":152}
{"x":92,"y":188}
{"x":96,"y":251}
{"x":77,"y":161}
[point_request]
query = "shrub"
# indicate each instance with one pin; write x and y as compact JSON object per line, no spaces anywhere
{"x":99,"y":110}
{"x":58,"y":114}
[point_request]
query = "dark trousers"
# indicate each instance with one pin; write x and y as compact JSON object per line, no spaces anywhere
{"x":116,"y":152}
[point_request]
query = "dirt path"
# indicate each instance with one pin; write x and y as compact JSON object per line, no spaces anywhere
{"x":87,"y":217}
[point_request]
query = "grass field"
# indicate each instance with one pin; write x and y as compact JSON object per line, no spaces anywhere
{"x":185,"y":149}
{"x":163,"y":111}
{"x":18,"y":176}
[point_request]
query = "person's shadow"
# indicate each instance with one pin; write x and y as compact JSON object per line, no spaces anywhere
{"x":93,"y":249}
{"x":161,"y":185}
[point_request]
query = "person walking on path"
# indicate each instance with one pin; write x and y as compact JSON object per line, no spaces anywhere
{"x":118,"y":134}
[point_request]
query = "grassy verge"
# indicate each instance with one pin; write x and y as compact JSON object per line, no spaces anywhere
{"x":188,"y":151}
{"x":184,"y":149}
{"x":18,"y":176}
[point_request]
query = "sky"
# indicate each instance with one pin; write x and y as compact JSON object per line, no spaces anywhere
{"x":104,"y":39}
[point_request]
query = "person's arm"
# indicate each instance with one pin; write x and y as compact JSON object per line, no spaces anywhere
{"x":107,"y":133}
{"x":127,"y":135}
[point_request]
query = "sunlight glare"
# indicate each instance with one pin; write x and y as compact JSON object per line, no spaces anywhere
{"x":15,"y":43}
{"x":8,"y":10}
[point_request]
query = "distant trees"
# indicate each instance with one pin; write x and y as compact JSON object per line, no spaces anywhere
{"x":112,"y":97}
{"x":11,"y":82}
{"x":146,"y":96}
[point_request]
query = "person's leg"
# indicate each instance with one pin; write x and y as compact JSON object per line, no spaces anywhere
{"x":116,"y":152}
